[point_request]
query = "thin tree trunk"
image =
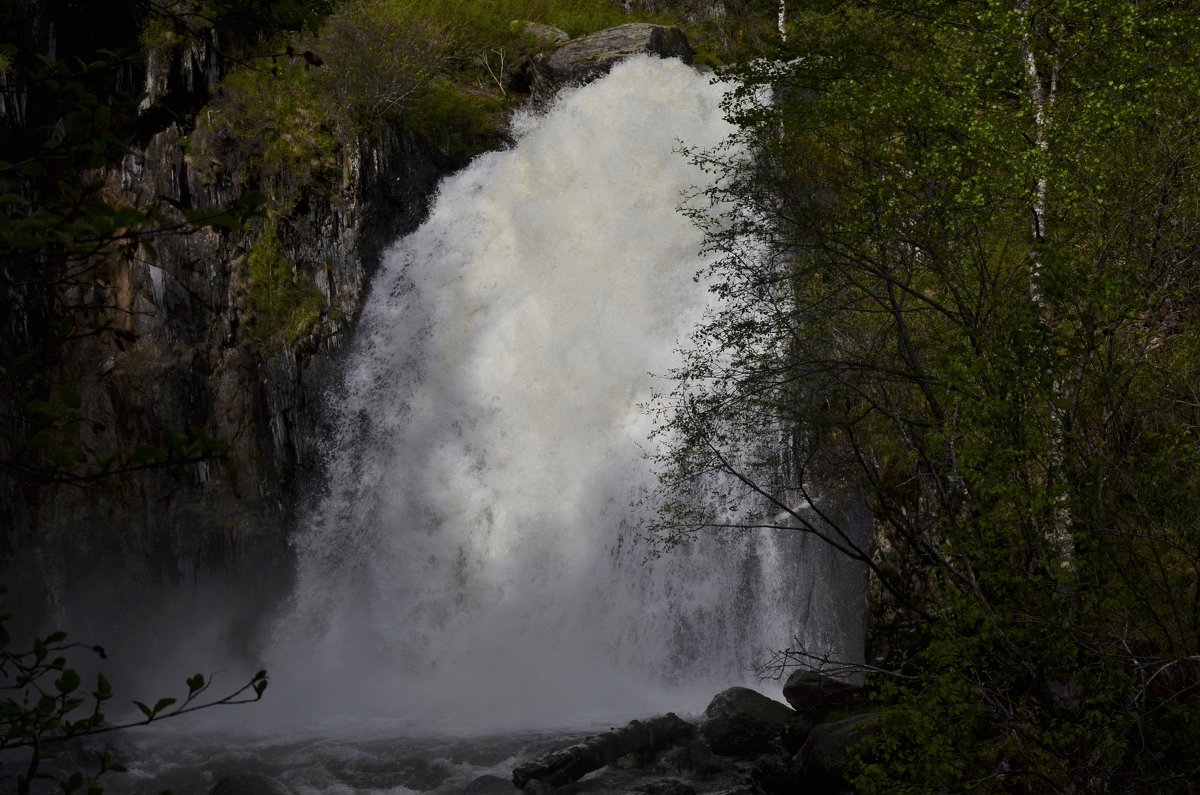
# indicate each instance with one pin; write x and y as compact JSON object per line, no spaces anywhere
{"x":1042,"y":98}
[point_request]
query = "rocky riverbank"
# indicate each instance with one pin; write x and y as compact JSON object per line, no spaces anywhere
{"x":743,"y":744}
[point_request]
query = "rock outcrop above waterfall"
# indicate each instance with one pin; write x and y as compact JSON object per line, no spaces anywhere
{"x":744,"y":744}
{"x":589,"y":57}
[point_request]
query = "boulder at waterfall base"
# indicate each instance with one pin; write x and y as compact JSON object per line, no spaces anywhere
{"x":666,"y":756}
{"x":742,"y":722}
{"x":823,"y":760}
{"x":815,"y":696}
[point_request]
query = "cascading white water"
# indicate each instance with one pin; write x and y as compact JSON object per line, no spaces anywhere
{"x":476,"y":561}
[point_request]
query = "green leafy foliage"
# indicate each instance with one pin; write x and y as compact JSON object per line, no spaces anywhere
{"x":957,"y":272}
{"x":244,"y":17}
{"x":731,"y":32}
{"x":43,"y":706}
{"x":266,"y":131}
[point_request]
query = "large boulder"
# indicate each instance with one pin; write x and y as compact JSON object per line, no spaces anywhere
{"x":565,"y":765}
{"x":743,"y":722}
{"x":823,"y":759}
{"x":815,"y":696}
{"x":588,"y":57}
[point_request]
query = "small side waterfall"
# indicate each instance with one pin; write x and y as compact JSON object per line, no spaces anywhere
{"x":476,"y":563}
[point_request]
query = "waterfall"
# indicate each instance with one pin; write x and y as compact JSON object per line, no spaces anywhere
{"x":476,"y":562}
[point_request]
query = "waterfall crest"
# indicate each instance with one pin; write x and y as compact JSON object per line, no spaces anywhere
{"x":475,"y":563}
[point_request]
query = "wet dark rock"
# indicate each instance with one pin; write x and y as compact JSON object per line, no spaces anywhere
{"x":248,"y":784}
{"x":589,"y":57}
{"x":795,"y":733}
{"x":704,"y":761}
{"x":743,"y":722}
{"x":674,"y":761}
{"x":689,"y":758}
{"x":490,"y":785}
{"x":775,"y":773}
{"x":570,"y":764}
{"x":179,"y":357}
{"x":823,"y":759}
{"x":815,"y":696}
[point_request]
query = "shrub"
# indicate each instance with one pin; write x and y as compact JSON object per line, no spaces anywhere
{"x":265,"y":129}
{"x":284,"y":304}
{"x":380,"y":57}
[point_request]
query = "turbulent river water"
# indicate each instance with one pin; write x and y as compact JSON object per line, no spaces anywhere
{"x":475,"y":571}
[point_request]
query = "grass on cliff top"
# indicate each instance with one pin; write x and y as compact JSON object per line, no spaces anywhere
{"x":492,"y":20}
{"x":436,"y":67}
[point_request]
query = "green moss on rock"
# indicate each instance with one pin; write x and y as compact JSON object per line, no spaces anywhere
{"x":284,"y":304}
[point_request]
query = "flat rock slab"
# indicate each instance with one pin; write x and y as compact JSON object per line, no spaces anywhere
{"x":588,"y":57}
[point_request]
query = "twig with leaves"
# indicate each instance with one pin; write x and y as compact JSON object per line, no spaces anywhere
{"x":41,"y":704}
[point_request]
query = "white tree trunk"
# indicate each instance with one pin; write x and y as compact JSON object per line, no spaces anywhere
{"x":1042,"y":96}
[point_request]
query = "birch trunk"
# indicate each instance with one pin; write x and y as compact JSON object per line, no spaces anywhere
{"x":1042,"y":94}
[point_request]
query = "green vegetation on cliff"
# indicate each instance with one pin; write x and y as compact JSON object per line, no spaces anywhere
{"x":284,"y":305}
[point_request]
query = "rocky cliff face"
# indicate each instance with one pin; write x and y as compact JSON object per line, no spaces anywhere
{"x":178,"y":357}
{"x":178,"y":353}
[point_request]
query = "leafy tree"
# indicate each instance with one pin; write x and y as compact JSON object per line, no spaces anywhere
{"x":957,"y":276}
